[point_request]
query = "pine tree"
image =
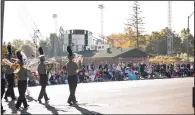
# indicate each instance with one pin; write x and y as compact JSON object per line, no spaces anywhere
{"x":136,"y":21}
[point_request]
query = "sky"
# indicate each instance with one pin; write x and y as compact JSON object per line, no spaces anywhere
{"x":21,"y":17}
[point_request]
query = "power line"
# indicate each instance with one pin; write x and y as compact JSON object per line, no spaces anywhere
{"x":24,"y":24}
{"x":36,"y":28}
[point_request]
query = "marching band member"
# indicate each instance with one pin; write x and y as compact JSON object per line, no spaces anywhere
{"x":22,"y":81}
{"x":2,"y":85}
{"x":43,"y":76}
{"x":9,"y":76}
{"x":72,"y":68}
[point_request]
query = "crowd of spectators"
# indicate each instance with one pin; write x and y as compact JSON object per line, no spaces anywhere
{"x":118,"y":72}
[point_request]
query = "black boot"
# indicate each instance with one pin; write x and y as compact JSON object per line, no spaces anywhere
{"x":39,"y":100}
{"x":25,"y":107}
{"x":70,"y":103}
{"x":17,"y":107}
{"x":47,"y":100}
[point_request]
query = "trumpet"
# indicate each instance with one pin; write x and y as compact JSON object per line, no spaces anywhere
{"x":14,"y":66}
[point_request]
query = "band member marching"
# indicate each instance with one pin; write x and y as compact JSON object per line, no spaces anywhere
{"x":72,"y":68}
{"x":43,"y":70}
{"x":9,"y":76}
{"x":2,"y":85}
{"x":22,"y":75}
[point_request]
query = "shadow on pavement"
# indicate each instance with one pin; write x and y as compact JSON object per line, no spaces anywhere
{"x":52,"y":109}
{"x":80,"y":104}
{"x":24,"y":112}
{"x":11,"y":105}
{"x":47,"y":106}
{"x":29,"y":98}
{"x":86,"y":104}
{"x":85,"y":111}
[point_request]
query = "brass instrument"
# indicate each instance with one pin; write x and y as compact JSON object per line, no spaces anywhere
{"x":49,"y":67}
{"x":14,"y":66}
{"x":3,"y":69}
{"x":16,"y":76}
{"x":3,"y":52}
{"x":29,"y":73}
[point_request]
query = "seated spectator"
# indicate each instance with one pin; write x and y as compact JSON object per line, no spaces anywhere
{"x":35,"y":75}
{"x":63,"y":77}
{"x":117,"y":75}
{"x":131,"y":75}
{"x":31,"y":82}
{"x":86,"y":77}
{"x":81,"y":77}
{"x":92,"y":76}
{"x":98,"y":77}
{"x":52,"y":80}
{"x":110,"y":74}
{"x":59,"y":80}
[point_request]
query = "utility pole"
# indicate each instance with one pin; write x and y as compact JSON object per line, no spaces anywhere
{"x":35,"y":37}
{"x":188,"y":36}
{"x":101,"y":7}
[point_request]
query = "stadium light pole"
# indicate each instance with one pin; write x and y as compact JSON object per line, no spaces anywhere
{"x":55,"y":19}
{"x":101,"y":7}
{"x":188,"y":36}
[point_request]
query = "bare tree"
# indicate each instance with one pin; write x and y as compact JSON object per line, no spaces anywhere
{"x":136,"y":21}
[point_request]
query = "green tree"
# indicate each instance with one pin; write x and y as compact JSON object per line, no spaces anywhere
{"x":30,"y":43}
{"x":158,"y":42}
{"x":187,"y":42}
{"x":17,"y":43}
{"x":28,"y":50}
{"x":176,"y":43}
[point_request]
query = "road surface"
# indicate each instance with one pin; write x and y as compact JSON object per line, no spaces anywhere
{"x":160,"y":96}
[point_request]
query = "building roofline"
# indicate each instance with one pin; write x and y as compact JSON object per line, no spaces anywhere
{"x":79,"y":29}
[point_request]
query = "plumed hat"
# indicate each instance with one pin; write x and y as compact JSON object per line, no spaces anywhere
{"x":20,"y":57}
{"x":42,"y":56}
{"x":9,"y":51}
{"x":70,"y":54}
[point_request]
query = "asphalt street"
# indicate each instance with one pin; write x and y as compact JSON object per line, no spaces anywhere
{"x":160,"y":96}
